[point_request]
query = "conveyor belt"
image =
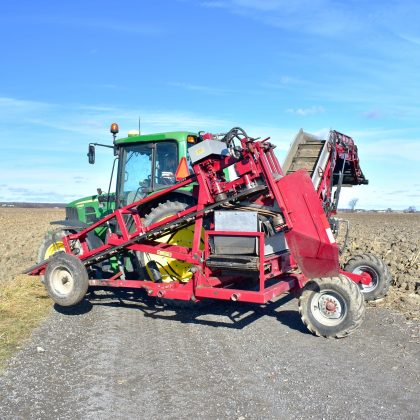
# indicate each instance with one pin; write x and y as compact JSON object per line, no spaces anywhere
{"x":304,"y":153}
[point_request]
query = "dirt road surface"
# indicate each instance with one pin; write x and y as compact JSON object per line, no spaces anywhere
{"x":116,"y":358}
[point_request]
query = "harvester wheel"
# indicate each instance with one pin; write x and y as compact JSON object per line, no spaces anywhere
{"x":378,"y":271}
{"x":331,"y":306}
{"x":66,"y":279}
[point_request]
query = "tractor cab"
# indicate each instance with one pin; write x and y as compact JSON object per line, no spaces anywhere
{"x":145,"y":164}
{"x":148,"y":163}
{"x":146,"y":167}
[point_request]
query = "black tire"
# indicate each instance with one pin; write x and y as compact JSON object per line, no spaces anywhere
{"x":345,"y":313}
{"x":51,"y":244}
{"x":50,"y":240}
{"x":162,"y":210}
{"x":66,"y":279}
{"x":166,"y":209}
{"x":378,"y":270}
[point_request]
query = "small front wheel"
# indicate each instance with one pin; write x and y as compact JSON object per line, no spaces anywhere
{"x":331,"y":306}
{"x":66,"y":279}
{"x":378,"y":272}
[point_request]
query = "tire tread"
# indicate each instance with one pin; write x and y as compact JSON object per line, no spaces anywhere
{"x":79,"y":274}
{"x":385,"y":277}
{"x":357,"y":307}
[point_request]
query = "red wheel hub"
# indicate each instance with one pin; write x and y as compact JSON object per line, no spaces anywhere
{"x":330,"y":306}
{"x":366,"y":278}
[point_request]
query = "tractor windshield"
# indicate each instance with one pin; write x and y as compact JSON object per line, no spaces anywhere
{"x":146,"y":168}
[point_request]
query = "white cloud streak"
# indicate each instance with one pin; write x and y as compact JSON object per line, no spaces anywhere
{"x":199,"y":88}
{"x":112,"y":24}
{"x":321,"y":17}
{"x":304,"y":112}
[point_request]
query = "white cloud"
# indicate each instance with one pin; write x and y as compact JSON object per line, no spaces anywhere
{"x":12,"y":106}
{"x":322,"y":133}
{"x":396,"y":149}
{"x":412,"y":39}
{"x":214,"y":4}
{"x":94,"y":120}
{"x":321,"y":17}
{"x":199,"y":88}
{"x":304,"y":112}
{"x":325,"y":17}
{"x":99,"y":24}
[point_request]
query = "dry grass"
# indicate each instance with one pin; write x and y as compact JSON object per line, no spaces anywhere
{"x":23,"y":304}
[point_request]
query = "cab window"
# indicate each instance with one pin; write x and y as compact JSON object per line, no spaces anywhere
{"x":166,"y":163}
{"x":146,"y":168}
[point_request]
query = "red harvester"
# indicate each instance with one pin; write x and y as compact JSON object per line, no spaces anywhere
{"x":252,"y":237}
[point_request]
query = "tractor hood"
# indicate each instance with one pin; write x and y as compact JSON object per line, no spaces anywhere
{"x":91,"y":208}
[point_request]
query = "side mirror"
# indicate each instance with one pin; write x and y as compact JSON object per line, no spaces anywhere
{"x":91,"y":154}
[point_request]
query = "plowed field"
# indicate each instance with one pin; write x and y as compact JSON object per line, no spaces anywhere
{"x":21,"y":233}
{"x":393,"y":237}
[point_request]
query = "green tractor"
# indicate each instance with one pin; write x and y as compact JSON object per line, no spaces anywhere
{"x":146,"y":164}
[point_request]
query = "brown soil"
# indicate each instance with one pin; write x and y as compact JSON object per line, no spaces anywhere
{"x":23,"y":300}
{"x":393,"y":237}
{"x":21,"y":233}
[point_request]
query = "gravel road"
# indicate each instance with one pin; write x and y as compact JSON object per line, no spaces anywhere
{"x":117,"y":358}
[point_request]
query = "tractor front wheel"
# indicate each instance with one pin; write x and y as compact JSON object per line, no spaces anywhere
{"x":378,"y":272}
{"x":66,"y":279}
{"x":51,"y":244}
{"x":331,"y":306}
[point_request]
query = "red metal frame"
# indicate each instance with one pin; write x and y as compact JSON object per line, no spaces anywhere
{"x":260,"y":178}
{"x":341,"y":147}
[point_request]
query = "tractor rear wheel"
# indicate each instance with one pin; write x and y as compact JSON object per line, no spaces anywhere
{"x":170,"y":268}
{"x":331,"y":306}
{"x":66,"y":279}
{"x":377,"y":270}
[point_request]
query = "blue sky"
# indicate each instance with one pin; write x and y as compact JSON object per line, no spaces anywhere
{"x":69,"y":69}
